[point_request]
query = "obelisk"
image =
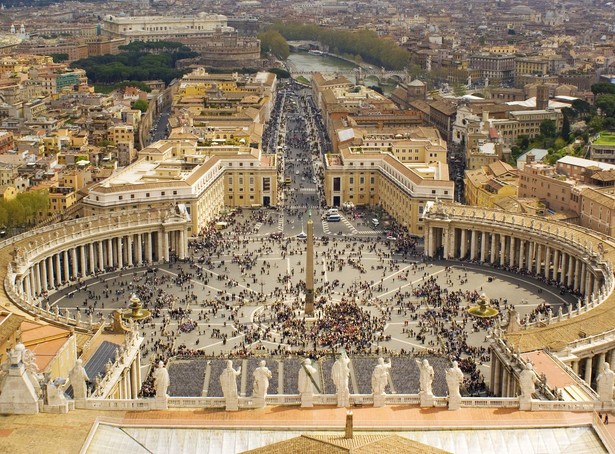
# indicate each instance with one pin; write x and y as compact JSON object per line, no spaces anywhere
{"x":309,"y":268}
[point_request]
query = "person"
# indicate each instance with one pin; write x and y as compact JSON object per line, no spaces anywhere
{"x":527,"y":380}
{"x":380,"y":376}
{"x":454,"y":378}
{"x":605,"y":383}
{"x":78,"y":378}
{"x":305,"y":384}
{"x":426,"y":377}
{"x":161,"y":377}
{"x":228,"y":381}
{"x":339,"y":374}
{"x":261,"y":381}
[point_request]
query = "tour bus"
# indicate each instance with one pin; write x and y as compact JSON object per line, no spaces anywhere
{"x":287,"y":181}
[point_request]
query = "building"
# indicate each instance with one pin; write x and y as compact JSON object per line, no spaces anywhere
{"x":494,"y":67}
{"x":485,"y":186}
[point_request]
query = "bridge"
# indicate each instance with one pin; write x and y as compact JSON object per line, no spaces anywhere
{"x":360,"y":74}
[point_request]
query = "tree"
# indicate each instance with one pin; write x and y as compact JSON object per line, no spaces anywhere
{"x":459,"y":90}
{"x":548,"y":128}
{"x":565,"y":134}
{"x":140,"y":104}
{"x":602,"y":87}
{"x":606,"y":103}
{"x":272,"y":41}
{"x":57,"y":58}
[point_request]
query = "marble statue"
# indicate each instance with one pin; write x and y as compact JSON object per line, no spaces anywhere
{"x":32,"y":371}
{"x":339,"y":374}
{"x":161,"y":380}
{"x":261,"y":383}
{"x":380,"y":380}
{"x":78,"y":378}
{"x":527,"y":382}
{"x":306,"y":383}
{"x":605,"y":383}
{"x":454,"y":378}
{"x":425,"y":377}
{"x":228,"y":381}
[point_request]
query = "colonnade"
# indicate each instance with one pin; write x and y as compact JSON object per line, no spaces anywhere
{"x":518,"y":249}
{"x":74,"y":262}
{"x":129,"y":382}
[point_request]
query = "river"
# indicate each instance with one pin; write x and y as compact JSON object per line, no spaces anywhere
{"x":302,"y":61}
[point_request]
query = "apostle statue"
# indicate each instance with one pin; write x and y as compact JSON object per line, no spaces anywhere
{"x":340,"y":372}
{"x":228,"y":381}
{"x":454,"y":379}
{"x":261,"y":383}
{"x":306,"y":383}
{"x":78,"y":380}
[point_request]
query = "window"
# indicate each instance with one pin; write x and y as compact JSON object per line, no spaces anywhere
{"x":162,"y":193}
{"x":147,"y":194}
{"x":174,"y":192}
{"x":132,"y":196}
{"x":121,"y":197}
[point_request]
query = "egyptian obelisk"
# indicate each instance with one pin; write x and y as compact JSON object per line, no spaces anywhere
{"x":309,"y":269}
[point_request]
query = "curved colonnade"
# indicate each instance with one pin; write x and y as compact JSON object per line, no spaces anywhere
{"x":46,"y":258}
{"x":573,"y":257}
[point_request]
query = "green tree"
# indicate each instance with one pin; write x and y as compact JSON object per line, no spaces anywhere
{"x":548,"y":128}
{"x":140,"y":104}
{"x":459,"y":89}
{"x":603,"y":87}
{"x":272,"y":41}
{"x":606,"y":103}
{"x":565,"y":134}
{"x":57,"y":58}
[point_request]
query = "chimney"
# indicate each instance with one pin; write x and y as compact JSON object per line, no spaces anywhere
{"x":348,"y":433}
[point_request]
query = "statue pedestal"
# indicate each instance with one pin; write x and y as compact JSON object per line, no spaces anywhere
{"x":454,"y":402}
{"x":426,"y":399}
{"x":525,"y":403}
{"x":379,"y":400}
{"x":232,"y":404}
{"x":18,"y":395}
{"x":161,"y":403}
{"x":307,"y":400}
{"x":259,"y":402}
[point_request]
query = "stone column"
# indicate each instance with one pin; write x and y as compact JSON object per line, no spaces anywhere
{"x":92,"y":269}
{"x":148,"y":247}
{"x":521,"y":254}
{"x":75,"y":267}
{"x":129,"y":241}
{"x":37,"y":276}
{"x":120,"y":261}
{"x":502,"y":250}
{"x":101,"y":255}
{"x":493,"y":249}
{"x":483,"y":246}
{"x":66,"y":266}
{"x":44,"y":281}
{"x":505,"y":378}
{"x":539,"y":260}
{"x":548,"y":262}
{"x":473,"y":245}
{"x":512,"y":251}
{"x":555,"y":275}
{"x":452,"y":247}
{"x":165,"y":246}
{"x":58,"y":269}
{"x":139,"y":258}
{"x":588,"y":370}
{"x":110,"y":261}
{"x":577,"y":273}
{"x":309,"y":269}
{"x":570,"y":270}
{"x":445,"y":240}
{"x":464,"y":243}
{"x":84,"y":264}
{"x":583,"y":277}
{"x":612,"y":359}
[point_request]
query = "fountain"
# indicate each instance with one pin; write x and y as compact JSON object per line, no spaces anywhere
{"x":135,"y":312}
{"x":483,"y":309}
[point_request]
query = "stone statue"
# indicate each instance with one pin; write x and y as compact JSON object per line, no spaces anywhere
{"x":527,"y":385}
{"x":380,"y":379}
{"x":605,"y":383}
{"x":78,"y":378}
{"x":261,"y":382}
{"x":161,"y":380}
{"x":454,"y":378}
{"x":339,"y":374}
{"x":228,"y":381}
{"x":306,"y":383}
{"x":426,"y":377}
{"x":32,"y":371}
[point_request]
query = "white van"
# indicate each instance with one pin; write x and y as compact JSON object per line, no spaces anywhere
{"x":332,"y":211}
{"x":334,"y":218}
{"x":375,"y":222}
